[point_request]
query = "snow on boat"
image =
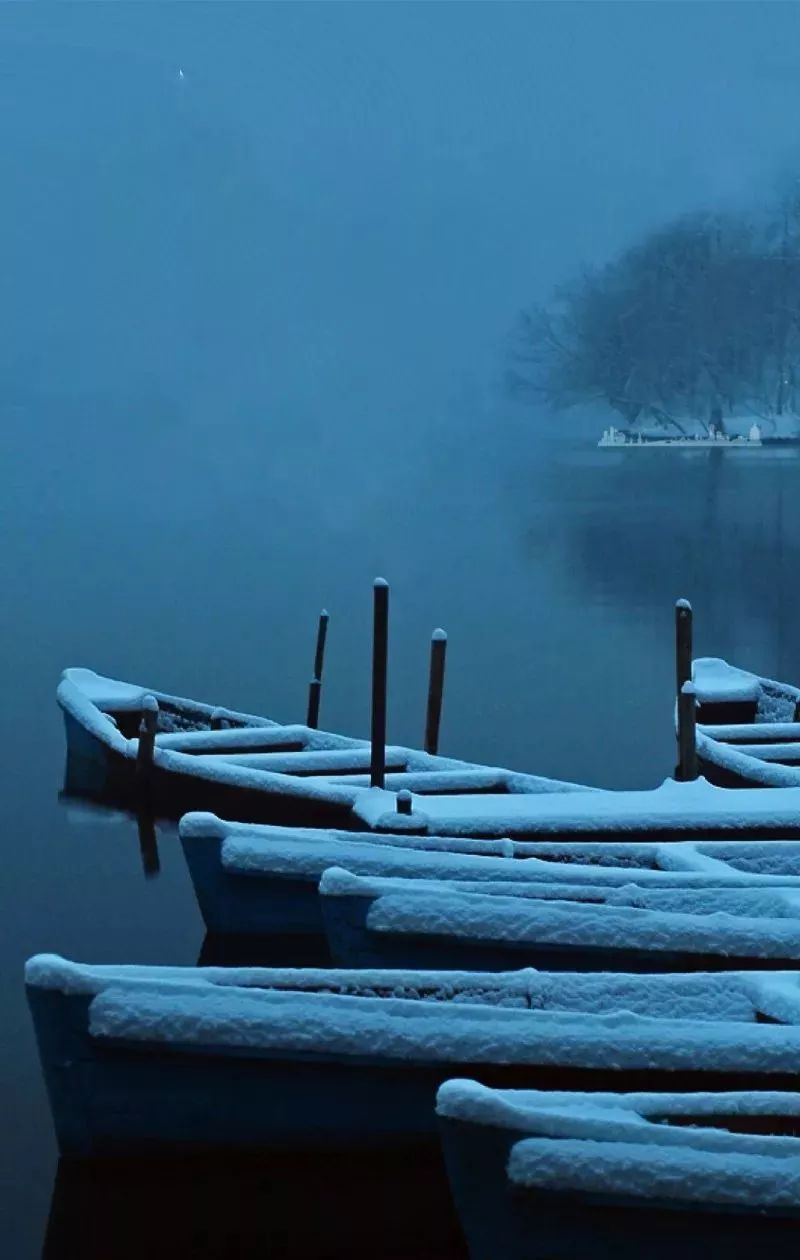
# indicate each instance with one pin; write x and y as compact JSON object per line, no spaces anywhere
{"x":748,"y":732}
{"x":673,"y":811}
{"x":537,"y":1175}
{"x":203,"y":757}
{"x":256,"y":880}
{"x":561,"y":927}
{"x":173,"y":1058}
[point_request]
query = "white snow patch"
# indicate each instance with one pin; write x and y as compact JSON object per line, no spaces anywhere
{"x":620,"y":1117}
{"x":718,"y":682}
{"x":518,"y":920}
{"x":645,"y":1171}
{"x":396,"y":1028}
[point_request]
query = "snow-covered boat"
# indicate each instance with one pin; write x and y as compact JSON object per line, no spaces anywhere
{"x":748,"y":732}
{"x":253,"y":880}
{"x":379,"y":922}
{"x":201,"y":757}
{"x":171,"y":1058}
{"x":673,"y":811}
{"x":538,"y":1175}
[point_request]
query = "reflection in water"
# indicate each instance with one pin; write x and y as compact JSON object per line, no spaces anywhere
{"x":148,"y":843}
{"x":554,"y":646}
{"x":721,"y":528}
{"x":264,"y":951}
{"x":87,"y":808}
{"x":281,"y":1206}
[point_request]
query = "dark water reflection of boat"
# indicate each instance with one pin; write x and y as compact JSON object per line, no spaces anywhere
{"x":280,"y":1207}
{"x":264,"y":951}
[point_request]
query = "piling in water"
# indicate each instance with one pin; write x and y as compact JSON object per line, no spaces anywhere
{"x":433,"y":714}
{"x":315,"y":686}
{"x":312,"y":713}
{"x":683,"y":644}
{"x":687,"y":734}
{"x":380,"y":660}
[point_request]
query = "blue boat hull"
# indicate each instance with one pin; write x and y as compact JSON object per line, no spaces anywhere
{"x":501,"y":1220}
{"x":354,"y":944}
{"x":122,"y":1097}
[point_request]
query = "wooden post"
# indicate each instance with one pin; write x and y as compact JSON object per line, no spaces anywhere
{"x":687,"y":733}
{"x":404,"y":802}
{"x":312,"y":712}
{"x":147,"y":736}
{"x":380,"y":661}
{"x":683,"y":644}
{"x":433,"y":714}
{"x":315,"y":686}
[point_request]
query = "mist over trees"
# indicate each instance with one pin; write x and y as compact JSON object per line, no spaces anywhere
{"x":697,"y":323}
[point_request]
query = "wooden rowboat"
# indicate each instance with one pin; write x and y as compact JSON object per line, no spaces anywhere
{"x":169,"y":1058}
{"x":539,"y":1175}
{"x":748,"y":732}
{"x":494,"y":925}
{"x":145,"y":749}
{"x":254,"y":880}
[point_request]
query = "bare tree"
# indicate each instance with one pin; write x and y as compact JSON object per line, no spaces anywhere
{"x":694,"y":323}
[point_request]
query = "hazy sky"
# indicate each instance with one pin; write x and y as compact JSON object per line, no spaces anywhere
{"x":335,"y":214}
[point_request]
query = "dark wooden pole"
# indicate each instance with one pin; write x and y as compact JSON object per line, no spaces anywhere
{"x":687,"y":733}
{"x":433,"y":714}
{"x":380,"y":661}
{"x":147,"y":736}
{"x":404,"y":802}
{"x":683,"y":644}
{"x":315,"y":686}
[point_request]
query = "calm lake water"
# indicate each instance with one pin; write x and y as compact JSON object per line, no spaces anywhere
{"x":196,"y":560}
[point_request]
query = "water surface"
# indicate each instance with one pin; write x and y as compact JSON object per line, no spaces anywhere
{"x":553,"y":566}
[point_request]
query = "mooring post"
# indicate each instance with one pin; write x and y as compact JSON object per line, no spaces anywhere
{"x":315,"y":686}
{"x":404,"y":801}
{"x":683,"y":644}
{"x":380,"y":660}
{"x":433,"y":715}
{"x":147,"y":735}
{"x":687,"y":733}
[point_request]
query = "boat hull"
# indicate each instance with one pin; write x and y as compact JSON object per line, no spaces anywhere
{"x":117,"y":1098}
{"x":353,"y":944}
{"x":249,"y":905}
{"x":502,"y":1220}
